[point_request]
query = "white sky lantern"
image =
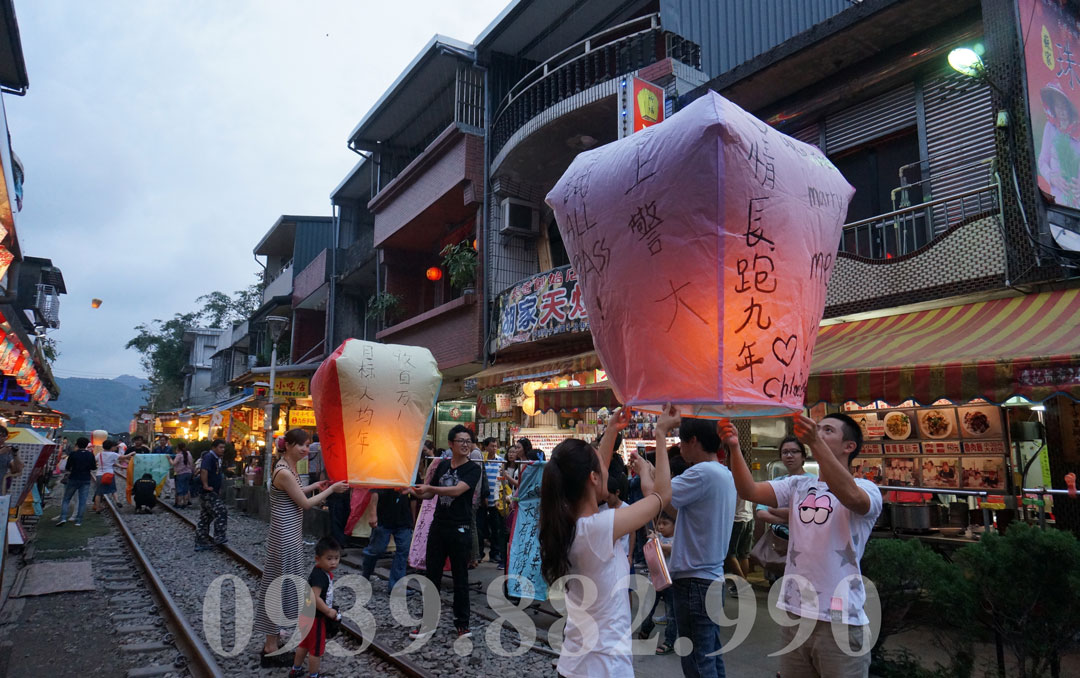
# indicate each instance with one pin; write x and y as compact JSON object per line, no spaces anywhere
{"x":373,"y":405}
{"x":703,"y":245}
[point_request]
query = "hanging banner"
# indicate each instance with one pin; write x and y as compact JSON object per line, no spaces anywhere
{"x":545,"y":305}
{"x":1051,"y":37}
{"x":157,"y":465}
{"x":525,"y":543}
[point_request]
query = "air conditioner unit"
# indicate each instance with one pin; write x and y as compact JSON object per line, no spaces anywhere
{"x":519,"y":217}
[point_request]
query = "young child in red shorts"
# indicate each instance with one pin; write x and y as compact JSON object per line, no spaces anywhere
{"x":321,"y":581}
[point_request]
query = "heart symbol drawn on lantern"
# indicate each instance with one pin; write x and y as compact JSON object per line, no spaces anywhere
{"x":790,"y":346}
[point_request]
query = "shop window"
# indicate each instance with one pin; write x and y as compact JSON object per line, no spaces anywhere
{"x":886,"y":174}
{"x":559,"y":257}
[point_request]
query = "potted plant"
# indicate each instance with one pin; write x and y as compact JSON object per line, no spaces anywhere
{"x":384,"y":306}
{"x":460,"y":262}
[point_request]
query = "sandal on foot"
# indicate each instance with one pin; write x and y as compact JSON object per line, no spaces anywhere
{"x":664,"y":649}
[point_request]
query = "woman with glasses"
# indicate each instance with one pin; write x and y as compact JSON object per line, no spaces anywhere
{"x":454,"y":482}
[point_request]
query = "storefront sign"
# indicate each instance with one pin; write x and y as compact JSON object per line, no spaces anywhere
{"x":947,"y":447}
{"x":301,"y":417}
{"x":11,"y":392}
{"x":292,"y":387}
{"x":456,"y":412}
{"x":1052,"y":56}
{"x":984,"y":447}
{"x":901,"y":448}
{"x":45,"y":421}
{"x":545,"y":305}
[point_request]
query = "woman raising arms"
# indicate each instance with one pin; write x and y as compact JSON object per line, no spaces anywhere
{"x":578,"y":540}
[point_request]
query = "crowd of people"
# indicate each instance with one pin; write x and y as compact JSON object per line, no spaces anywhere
{"x":698,"y":500}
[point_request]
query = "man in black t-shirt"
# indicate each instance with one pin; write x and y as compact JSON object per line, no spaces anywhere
{"x":393,"y":518}
{"x":454,"y":482}
{"x":79,"y":466}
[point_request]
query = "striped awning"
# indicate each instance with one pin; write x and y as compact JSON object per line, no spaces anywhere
{"x":1027,"y":346}
{"x":582,"y":398}
{"x":507,"y":373}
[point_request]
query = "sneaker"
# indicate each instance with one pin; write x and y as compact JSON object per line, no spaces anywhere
{"x":464,"y":632}
{"x":60,"y":523}
{"x":219,"y":542}
{"x":660,"y":619}
{"x":420,"y":633}
{"x":297,"y":672}
{"x":733,"y":590}
{"x":78,"y":524}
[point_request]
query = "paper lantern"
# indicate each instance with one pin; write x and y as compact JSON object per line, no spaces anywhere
{"x":373,"y":404}
{"x":98,"y":437}
{"x":703,"y":246}
{"x":434,"y":274}
{"x":529,"y":388}
{"x":528,"y":406}
{"x":563,"y":383}
{"x":95,"y":303}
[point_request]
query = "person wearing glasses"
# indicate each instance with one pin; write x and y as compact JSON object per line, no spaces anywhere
{"x":454,"y":483}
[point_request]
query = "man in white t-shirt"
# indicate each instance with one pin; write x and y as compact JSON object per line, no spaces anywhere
{"x":830,"y":522}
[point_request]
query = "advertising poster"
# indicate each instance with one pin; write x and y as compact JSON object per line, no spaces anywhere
{"x":941,"y":472}
{"x":545,"y":305}
{"x":983,"y":473}
{"x":1051,"y":39}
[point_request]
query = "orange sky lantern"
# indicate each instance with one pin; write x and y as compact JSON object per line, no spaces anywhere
{"x":373,"y":404}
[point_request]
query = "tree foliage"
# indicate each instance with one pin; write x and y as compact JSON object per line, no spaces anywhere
{"x":161,"y":342}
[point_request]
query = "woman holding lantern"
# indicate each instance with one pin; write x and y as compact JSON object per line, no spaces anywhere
{"x":285,"y":542}
{"x":578,"y":540}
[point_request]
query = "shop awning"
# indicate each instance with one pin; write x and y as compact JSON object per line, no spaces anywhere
{"x":227,"y":404}
{"x":506,"y":373}
{"x":582,"y":398}
{"x":1027,"y":346}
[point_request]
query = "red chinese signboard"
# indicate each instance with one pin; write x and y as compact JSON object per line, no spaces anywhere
{"x":648,"y":104}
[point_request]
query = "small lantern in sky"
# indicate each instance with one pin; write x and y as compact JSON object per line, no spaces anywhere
{"x":373,"y":404}
{"x":703,"y":246}
{"x":95,"y":303}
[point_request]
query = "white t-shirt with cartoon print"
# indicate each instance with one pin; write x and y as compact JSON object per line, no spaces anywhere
{"x":826,"y":544}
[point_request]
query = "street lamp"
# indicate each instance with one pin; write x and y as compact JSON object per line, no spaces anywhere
{"x":275,"y":327}
{"x":966,"y":61}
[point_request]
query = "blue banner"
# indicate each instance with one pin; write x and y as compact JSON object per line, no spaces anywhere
{"x":525,"y":545}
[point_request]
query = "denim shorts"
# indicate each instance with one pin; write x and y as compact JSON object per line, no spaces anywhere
{"x":183,"y":484}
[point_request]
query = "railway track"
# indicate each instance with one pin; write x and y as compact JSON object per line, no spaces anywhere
{"x":390,"y":652}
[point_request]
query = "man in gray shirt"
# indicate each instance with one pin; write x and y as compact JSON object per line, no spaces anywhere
{"x":704,"y":496}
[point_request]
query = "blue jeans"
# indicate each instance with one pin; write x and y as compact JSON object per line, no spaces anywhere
{"x":376,"y":547}
{"x":73,"y":486}
{"x":694,"y":623}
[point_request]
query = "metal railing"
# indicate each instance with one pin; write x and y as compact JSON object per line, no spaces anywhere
{"x":606,"y":55}
{"x":905,"y":230}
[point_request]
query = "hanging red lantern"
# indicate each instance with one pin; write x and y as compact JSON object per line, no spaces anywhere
{"x":434,"y":274}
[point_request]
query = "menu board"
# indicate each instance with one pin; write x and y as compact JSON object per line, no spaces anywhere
{"x":940,"y":472}
{"x":930,"y":446}
{"x":983,"y":473}
{"x":980,"y":421}
{"x":868,"y":468}
{"x":901,"y":471}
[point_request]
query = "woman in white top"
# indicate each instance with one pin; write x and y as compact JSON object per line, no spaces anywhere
{"x":578,"y":542}
{"x":107,"y":460}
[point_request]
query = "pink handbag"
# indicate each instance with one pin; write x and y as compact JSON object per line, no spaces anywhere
{"x":654,"y":558}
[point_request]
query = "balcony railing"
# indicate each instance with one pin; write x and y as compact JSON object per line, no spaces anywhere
{"x":280,"y":285}
{"x":606,"y":55}
{"x":905,"y":230}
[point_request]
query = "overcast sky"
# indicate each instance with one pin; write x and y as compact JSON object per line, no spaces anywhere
{"x":161,"y":140}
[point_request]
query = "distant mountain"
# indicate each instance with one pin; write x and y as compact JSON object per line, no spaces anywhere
{"x":100,"y":403}
{"x":136,"y":383}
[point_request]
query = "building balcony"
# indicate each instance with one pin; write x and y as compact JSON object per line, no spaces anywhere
{"x":451,"y":331}
{"x":596,"y":61}
{"x":281,"y":285}
{"x":312,"y":281}
{"x":949,"y":247}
